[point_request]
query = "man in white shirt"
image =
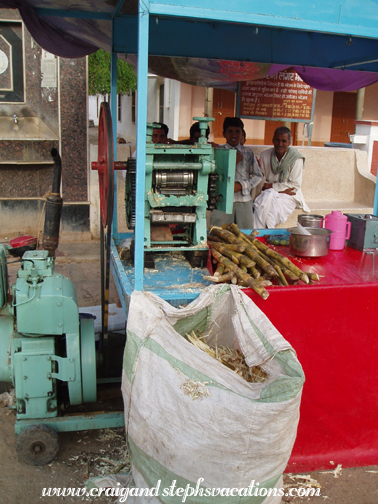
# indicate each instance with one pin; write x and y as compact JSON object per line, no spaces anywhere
{"x":282,"y":168}
{"x":247,"y":176}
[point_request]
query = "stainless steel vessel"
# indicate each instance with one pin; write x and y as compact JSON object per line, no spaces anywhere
{"x":316,"y":245}
{"x":311,"y":220}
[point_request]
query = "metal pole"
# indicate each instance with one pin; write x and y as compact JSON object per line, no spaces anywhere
{"x":142,"y":85}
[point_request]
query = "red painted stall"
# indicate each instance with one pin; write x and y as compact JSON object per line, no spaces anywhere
{"x":333,"y":328}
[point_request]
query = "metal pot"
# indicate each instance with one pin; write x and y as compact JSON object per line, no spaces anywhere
{"x":316,"y":245}
{"x":311,"y":220}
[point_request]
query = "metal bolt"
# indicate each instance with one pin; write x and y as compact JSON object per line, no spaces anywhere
{"x":60,"y":324}
{"x":25,"y":377}
{"x":58,"y":304}
{"x":49,"y":376}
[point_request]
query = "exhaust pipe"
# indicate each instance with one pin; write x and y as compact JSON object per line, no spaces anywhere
{"x":53,"y":211}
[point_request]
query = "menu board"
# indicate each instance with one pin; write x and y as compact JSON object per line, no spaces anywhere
{"x":283,"y":95}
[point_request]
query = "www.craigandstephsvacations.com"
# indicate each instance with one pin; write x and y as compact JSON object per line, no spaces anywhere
{"x":253,"y":490}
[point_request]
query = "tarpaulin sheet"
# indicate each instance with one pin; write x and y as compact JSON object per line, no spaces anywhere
{"x":78,"y":37}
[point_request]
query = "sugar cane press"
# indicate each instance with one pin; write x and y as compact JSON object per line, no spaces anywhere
{"x":182,"y":182}
{"x":47,"y":350}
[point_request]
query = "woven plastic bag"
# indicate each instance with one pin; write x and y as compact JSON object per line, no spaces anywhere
{"x":231,"y":434}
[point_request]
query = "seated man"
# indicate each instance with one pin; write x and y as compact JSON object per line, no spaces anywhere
{"x":281,"y":194}
{"x":247,"y":176}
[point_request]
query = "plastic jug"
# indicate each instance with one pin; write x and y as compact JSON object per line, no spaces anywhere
{"x":339,"y":224}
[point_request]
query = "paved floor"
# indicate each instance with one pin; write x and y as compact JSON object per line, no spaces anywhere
{"x":76,"y":460}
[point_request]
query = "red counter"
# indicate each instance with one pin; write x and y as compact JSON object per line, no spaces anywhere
{"x":333,"y":328}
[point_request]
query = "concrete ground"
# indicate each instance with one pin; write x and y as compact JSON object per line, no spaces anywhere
{"x":84,"y":455}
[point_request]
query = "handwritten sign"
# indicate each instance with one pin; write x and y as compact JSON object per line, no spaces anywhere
{"x":283,"y":95}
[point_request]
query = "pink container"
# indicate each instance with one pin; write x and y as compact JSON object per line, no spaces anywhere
{"x":339,"y":224}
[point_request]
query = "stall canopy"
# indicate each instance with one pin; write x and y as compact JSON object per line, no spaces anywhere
{"x":332,"y":45}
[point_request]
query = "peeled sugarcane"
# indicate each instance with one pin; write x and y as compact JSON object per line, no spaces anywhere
{"x":244,"y":277}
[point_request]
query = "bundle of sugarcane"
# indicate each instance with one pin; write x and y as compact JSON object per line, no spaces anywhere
{"x":230,"y":357}
{"x":245,"y":260}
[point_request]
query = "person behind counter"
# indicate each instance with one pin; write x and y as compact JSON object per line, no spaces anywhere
{"x":247,"y":176}
{"x":282,"y":168}
{"x":160,"y":135}
{"x":194,"y":134}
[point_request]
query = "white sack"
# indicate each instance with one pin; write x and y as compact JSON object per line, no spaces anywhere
{"x":236,"y":432}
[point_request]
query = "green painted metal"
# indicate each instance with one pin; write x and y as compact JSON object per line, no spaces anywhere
{"x":200,"y":160}
{"x":45,"y":301}
{"x":6,"y":330}
{"x":47,"y":323}
{"x":3,"y":276}
{"x":35,"y":388}
{"x":76,"y":422}
{"x":73,"y":353}
{"x":88,"y":360}
{"x":226,"y":161}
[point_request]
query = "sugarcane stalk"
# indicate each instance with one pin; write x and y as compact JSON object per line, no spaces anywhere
{"x":244,"y":260}
{"x":254,"y":272}
{"x":284,"y":260}
{"x":236,"y":231}
{"x":313,"y":276}
{"x":219,"y":270}
{"x":226,"y":252}
{"x":220,"y":278}
{"x":214,"y":238}
{"x":275,"y":262}
{"x":227,"y":236}
{"x":253,"y":253}
{"x":280,"y":275}
{"x":251,"y":282}
{"x":235,"y":247}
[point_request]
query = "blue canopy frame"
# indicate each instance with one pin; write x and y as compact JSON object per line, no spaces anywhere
{"x":331,"y":34}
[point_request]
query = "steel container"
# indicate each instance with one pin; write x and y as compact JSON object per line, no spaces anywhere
{"x":316,"y":245}
{"x":311,"y":220}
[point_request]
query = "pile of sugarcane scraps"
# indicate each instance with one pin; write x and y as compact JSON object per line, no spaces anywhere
{"x":244,"y":260}
{"x":230,"y":357}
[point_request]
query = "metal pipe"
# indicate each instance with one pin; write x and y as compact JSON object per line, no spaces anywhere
{"x":53,"y":210}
